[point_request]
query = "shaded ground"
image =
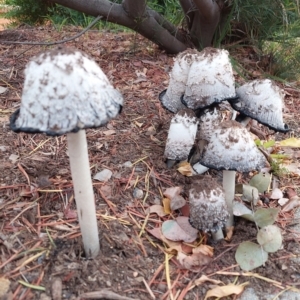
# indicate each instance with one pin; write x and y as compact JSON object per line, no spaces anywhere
{"x":39,"y":236}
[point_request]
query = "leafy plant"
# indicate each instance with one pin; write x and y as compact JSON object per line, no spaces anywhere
{"x":251,"y":255}
{"x":28,"y":11}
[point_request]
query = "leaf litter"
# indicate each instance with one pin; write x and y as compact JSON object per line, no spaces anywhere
{"x":40,"y":238}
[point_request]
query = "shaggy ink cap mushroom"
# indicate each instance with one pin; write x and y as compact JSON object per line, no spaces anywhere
{"x":263,"y":101}
{"x":170,"y":98}
{"x":181,"y":135}
{"x":210,"y":79}
{"x":208,"y":209}
{"x":231,"y":147}
{"x":65,"y":91}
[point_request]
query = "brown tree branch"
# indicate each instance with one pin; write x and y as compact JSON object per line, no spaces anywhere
{"x":169,"y":39}
{"x":188,"y":8}
{"x":134,"y":9}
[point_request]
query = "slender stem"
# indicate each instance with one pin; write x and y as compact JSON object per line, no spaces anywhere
{"x":83,"y":190}
{"x":218,"y":235}
{"x":229,"y":187}
{"x":245,"y":121}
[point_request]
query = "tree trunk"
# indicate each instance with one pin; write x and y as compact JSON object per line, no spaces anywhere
{"x":202,"y":18}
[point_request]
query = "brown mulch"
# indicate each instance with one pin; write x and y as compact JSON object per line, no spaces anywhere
{"x":40,"y":245}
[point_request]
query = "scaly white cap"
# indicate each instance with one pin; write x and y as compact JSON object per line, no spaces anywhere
{"x":210,"y":79}
{"x":171,"y":97}
{"x":65,"y":91}
{"x":208,"y":209}
{"x":231,"y":147}
{"x":181,"y":135}
{"x":263,"y":101}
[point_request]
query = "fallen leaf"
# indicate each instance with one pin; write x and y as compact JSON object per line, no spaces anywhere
{"x":109,"y":132}
{"x":283,"y":201}
{"x":193,"y":262}
{"x":172,"y":192}
{"x":226,"y":290}
{"x":204,"y":278}
{"x":172,"y":231}
{"x":3,"y":89}
{"x":184,"y":223}
{"x":276,"y":194}
{"x":4,"y":286}
{"x":158,"y":209}
{"x":103,"y":176}
{"x":166,"y":205}
{"x":177,"y":202}
{"x":185,"y":169}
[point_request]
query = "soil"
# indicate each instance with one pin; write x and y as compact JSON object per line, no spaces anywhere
{"x":41,"y":253}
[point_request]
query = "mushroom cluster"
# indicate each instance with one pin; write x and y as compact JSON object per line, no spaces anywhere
{"x":223,"y":145}
{"x":66,"y":92}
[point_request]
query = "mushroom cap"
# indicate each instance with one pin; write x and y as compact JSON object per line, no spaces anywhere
{"x":208,"y":208}
{"x":210,"y":79}
{"x":263,"y":101}
{"x":65,"y":91}
{"x":231,"y":147}
{"x":209,"y":119}
{"x":181,"y":135}
{"x":170,"y":98}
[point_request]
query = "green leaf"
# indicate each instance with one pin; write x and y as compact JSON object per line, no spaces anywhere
{"x":268,"y":144}
{"x":270,"y":238}
{"x":261,"y":181}
{"x":265,"y":216}
{"x":250,"y":256}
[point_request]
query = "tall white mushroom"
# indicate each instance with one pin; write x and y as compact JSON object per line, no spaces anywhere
{"x":262,"y":100}
{"x":231,"y":148}
{"x":64,"y":92}
{"x":210,"y":79}
{"x":181,"y":136}
{"x":171,"y":97}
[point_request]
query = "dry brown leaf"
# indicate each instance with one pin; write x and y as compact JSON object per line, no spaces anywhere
{"x":177,"y":202}
{"x":4,"y":286}
{"x":227,"y":290}
{"x":193,"y":262}
{"x":185,"y":169}
{"x":204,"y":249}
{"x":229,"y":233}
{"x":109,"y":132}
{"x":158,"y":209}
{"x":166,"y":205}
{"x":172,"y":192}
{"x":204,"y":278}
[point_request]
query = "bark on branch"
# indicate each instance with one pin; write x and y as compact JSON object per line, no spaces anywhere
{"x":149,"y":24}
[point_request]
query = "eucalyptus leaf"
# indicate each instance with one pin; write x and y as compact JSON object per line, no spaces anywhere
{"x":270,"y":238}
{"x":265,"y":216}
{"x":250,"y":256}
{"x":249,"y":193}
{"x":241,"y":210}
{"x":261,"y":181}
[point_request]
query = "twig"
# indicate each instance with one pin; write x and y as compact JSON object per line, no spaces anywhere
{"x":57,"y":42}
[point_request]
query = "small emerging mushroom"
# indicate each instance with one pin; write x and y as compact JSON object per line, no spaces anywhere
{"x":181,"y":136}
{"x":64,"y":92}
{"x":231,"y":148}
{"x":262,"y":100}
{"x":210,"y":79}
{"x":208,"y":208}
{"x":170,"y":98}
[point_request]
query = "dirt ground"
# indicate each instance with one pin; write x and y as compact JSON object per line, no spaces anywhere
{"x":40,"y":245}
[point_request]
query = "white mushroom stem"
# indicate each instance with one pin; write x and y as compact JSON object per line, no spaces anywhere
{"x":229,"y":188}
{"x":83,"y":189}
{"x":218,"y":235}
{"x":245,"y":121}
